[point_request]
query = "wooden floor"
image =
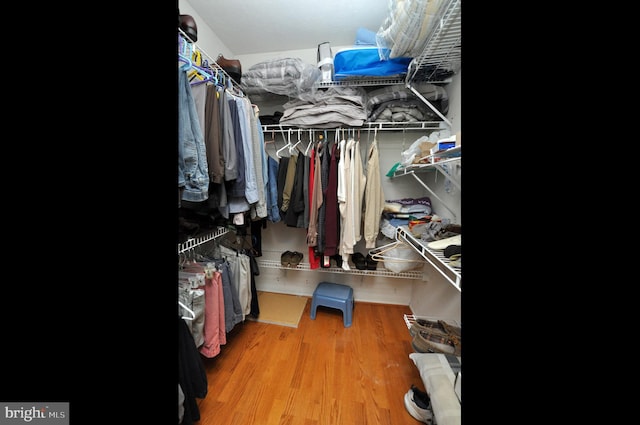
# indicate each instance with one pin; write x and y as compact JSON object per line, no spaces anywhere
{"x":318,"y":373}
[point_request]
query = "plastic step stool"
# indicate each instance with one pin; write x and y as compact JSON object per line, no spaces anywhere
{"x":334,"y":295}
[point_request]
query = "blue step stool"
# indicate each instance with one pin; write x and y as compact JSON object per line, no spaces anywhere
{"x":334,"y":295}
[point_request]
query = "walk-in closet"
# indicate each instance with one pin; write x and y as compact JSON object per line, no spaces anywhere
{"x":319,"y":234}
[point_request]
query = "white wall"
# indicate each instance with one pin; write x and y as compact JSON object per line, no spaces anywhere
{"x":208,"y":42}
{"x":430,"y":296}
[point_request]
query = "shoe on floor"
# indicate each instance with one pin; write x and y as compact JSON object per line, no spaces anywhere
{"x":417,"y":406}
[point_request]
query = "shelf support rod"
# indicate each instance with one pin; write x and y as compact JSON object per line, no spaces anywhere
{"x":403,"y":236}
{"x":433,"y":194}
{"x":447,"y":175}
{"x":433,"y":108}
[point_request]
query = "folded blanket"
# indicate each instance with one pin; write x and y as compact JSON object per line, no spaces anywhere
{"x":283,"y":76}
{"x":397,"y":96}
{"x":330,"y":108}
{"x":410,"y":109}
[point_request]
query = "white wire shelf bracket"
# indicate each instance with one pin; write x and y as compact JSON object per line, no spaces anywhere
{"x":435,"y":257}
{"x":272,"y":264}
{"x":199,"y":240}
{"x":449,"y":157}
{"x":438,"y":166}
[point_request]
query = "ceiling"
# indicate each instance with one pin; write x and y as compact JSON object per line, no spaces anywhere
{"x":263,"y":26}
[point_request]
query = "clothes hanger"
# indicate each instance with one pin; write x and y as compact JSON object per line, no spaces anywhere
{"x":185,"y":56}
{"x":191,"y":312}
{"x":378,"y":253}
{"x":196,"y":60}
{"x":273,"y":139}
{"x":206,"y":77}
{"x":288,"y":144}
{"x":193,"y":279}
{"x":306,"y":151}
{"x":222,"y":78}
{"x":187,"y":62}
{"x":292,"y":147}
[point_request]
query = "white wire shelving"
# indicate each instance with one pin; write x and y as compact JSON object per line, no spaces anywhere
{"x":436,"y":258}
{"x":379,"y":126}
{"x":410,"y":319}
{"x":272,"y":264}
{"x":199,"y":240}
{"x":442,"y":161}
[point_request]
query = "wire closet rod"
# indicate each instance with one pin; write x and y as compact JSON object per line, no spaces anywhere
{"x":211,"y":60}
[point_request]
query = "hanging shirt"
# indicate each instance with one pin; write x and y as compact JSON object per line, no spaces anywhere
{"x":373,"y":197}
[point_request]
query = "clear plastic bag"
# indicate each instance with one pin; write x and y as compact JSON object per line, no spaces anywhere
{"x":398,"y":257}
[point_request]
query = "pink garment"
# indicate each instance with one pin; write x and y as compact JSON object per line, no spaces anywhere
{"x":214,"y":324}
{"x":314,"y":261}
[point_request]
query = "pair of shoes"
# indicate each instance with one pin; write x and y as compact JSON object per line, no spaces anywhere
{"x":364,"y":263}
{"x":431,"y":342}
{"x":285,"y":258}
{"x":337,"y":258}
{"x":296,"y":257}
{"x":418,"y":405}
{"x":371,"y":263}
{"x":426,"y":325}
{"x":359,"y":260}
{"x":291,"y":258}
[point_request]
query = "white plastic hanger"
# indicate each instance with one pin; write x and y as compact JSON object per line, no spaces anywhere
{"x":306,"y":151}
{"x":292,"y":147}
{"x":193,"y":315}
{"x":378,"y":253}
{"x":288,"y":144}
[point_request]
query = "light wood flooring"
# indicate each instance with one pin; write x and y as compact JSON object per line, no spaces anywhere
{"x":320,"y":373}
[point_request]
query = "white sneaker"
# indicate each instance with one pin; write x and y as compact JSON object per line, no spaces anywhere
{"x":417,"y":409}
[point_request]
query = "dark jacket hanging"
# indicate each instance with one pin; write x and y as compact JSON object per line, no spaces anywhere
{"x":192,"y":376}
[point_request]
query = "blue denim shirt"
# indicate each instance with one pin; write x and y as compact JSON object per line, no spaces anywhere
{"x":193,"y":172}
{"x":251,"y":184}
{"x":273,"y":211}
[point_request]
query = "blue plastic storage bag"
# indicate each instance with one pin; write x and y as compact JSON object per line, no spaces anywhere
{"x":365,"y":62}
